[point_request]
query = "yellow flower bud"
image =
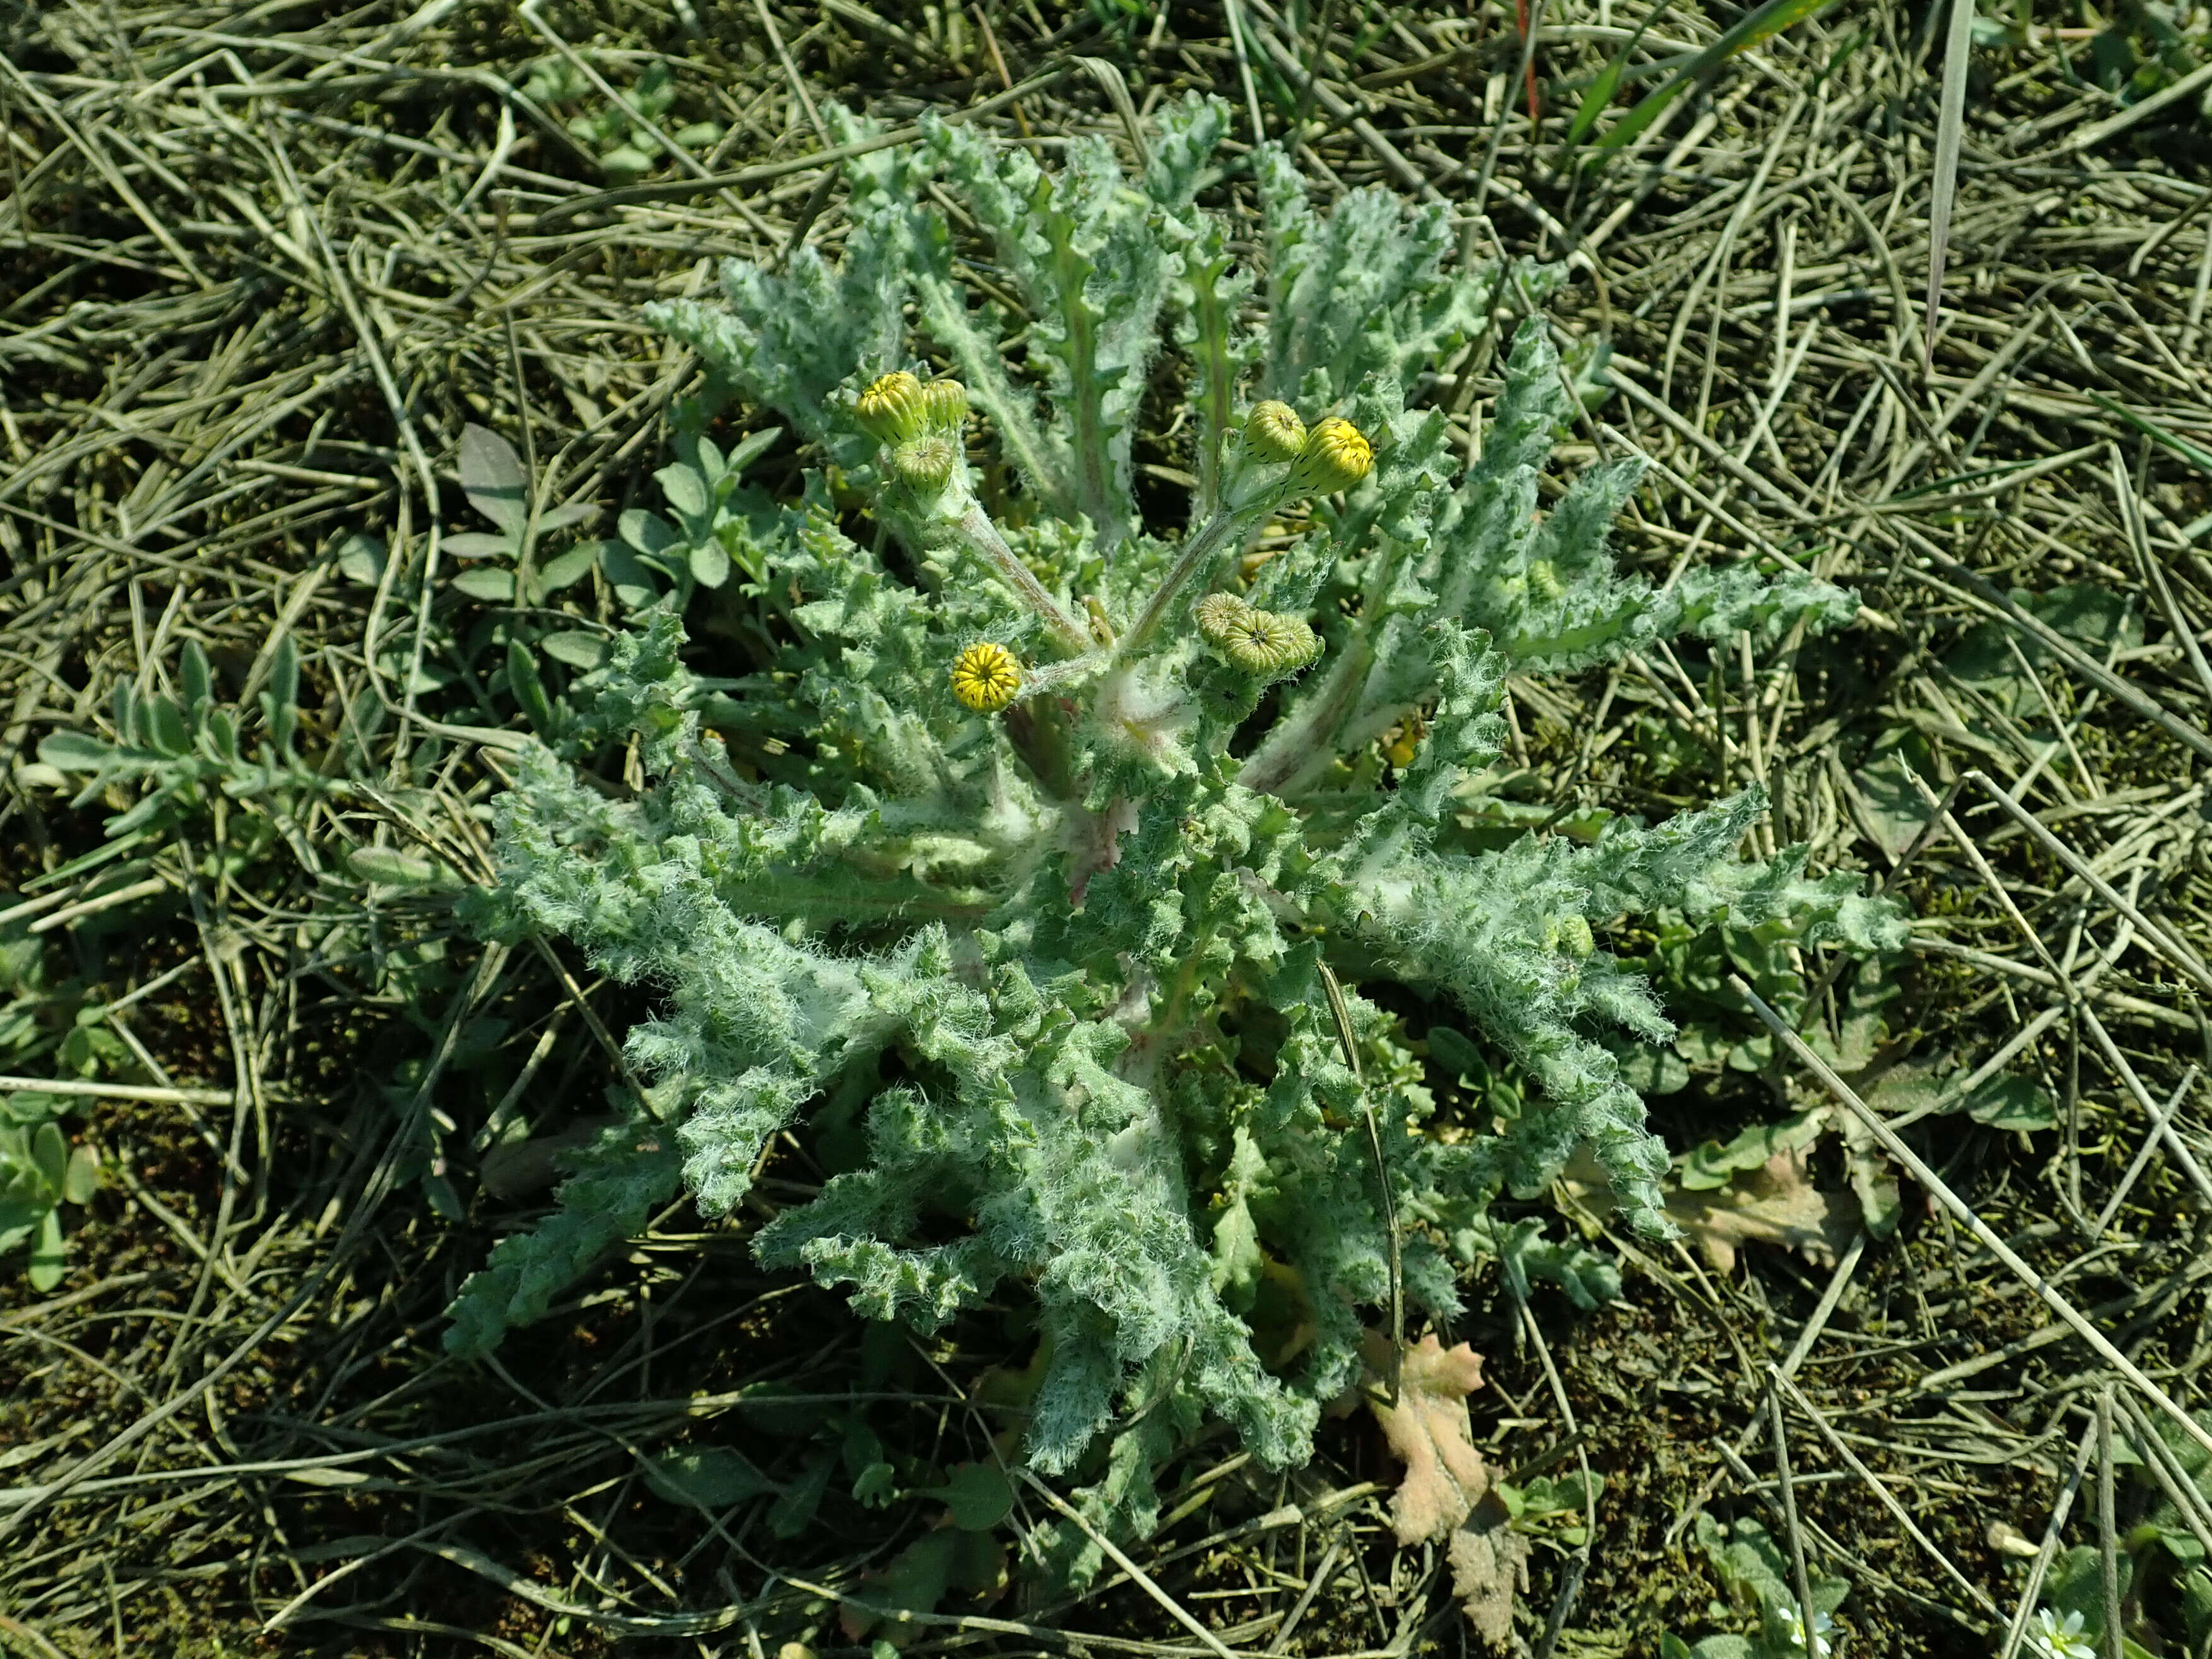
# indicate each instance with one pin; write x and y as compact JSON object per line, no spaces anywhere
{"x":1336,"y":456}
{"x":986,"y":678}
{"x":926,"y":464}
{"x":1273,"y":432}
{"x":1257,"y":641}
{"x":946,"y":403}
{"x":1216,"y":613}
{"x":894,"y":407}
{"x":1262,"y":642}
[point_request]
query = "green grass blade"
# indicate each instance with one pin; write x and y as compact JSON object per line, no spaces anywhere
{"x":1950,"y":131}
{"x":1596,"y":99}
{"x":1762,"y":23}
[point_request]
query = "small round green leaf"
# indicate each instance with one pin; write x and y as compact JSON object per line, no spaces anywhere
{"x":360,"y":557}
{"x":81,"y":1179}
{"x":49,"y":1263}
{"x":710,"y":566}
{"x":978,"y":1496}
{"x":686,"y":490}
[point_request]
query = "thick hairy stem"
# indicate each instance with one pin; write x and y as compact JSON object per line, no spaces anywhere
{"x":1197,"y":561}
{"x":1301,"y":746}
{"x":1216,"y":392}
{"x":991,"y":388}
{"x":975,"y":532}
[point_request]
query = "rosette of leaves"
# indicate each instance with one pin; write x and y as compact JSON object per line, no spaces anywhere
{"x":1073,"y":950}
{"x":712,"y":527}
{"x":499,"y":486}
{"x":180,"y":751}
{"x":625,"y":150}
{"x":40,"y":1172}
{"x":715,"y":524}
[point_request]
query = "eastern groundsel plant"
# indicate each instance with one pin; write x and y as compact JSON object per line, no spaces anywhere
{"x":1028,"y":873}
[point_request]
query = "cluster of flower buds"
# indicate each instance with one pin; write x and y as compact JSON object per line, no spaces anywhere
{"x":1260,"y":642}
{"x":1330,"y":455}
{"x":919,"y":423}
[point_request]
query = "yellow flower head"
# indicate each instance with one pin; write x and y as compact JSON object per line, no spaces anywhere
{"x":986,"y":678}
{"x":1273,"y":432}
{"x":1336,"y":456}
{"x":894,"y":407}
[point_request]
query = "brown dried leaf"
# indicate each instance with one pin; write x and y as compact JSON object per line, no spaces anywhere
{"x":1490,"y":1569}
{"x":1774,"y":1204}
{"x":1428,"y":1430}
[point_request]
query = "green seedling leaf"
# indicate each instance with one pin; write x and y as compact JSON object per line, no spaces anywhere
{"x":1950,"y":134}
{"x":491,"y":586}
{"x":2012,"y":1103}
{"x":1598,"y":95}
{"x":1761,"y":23}
{"x":567,"y":513}
{"x":710,"y":565}
{"x":687,"y":492}
{"x":2196,"y":1606}
{"x":284,"y":673}
{"x":566,"y":569}
{"x":876,"y":1485}
{"x":577,"y":647}
{"x":1454,"y":1053}
{"x":918,"y":1579}
{"x":74,"y":751}
{"x":493,"y":479}
{"x":751,"y":448}
{"x":48,"y":1265}
{"x":81,"y":1180}
{"x":977,"y":1494}
{"x":51,"y":1153}
{"x":633,"y":584}
{"x":192,"y":675}
{"x":529,"y":687}
{"x":477,"y":544}
{"x":1713,"y":1164}
{"x":360,"y":557}
{"x":646,"y":531}
{"x":280,"y":703}
{"x":794,"y":1512}
{"x":706,"y":1477}
{"x":389,"y":867}
{"x":654,"y":93}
